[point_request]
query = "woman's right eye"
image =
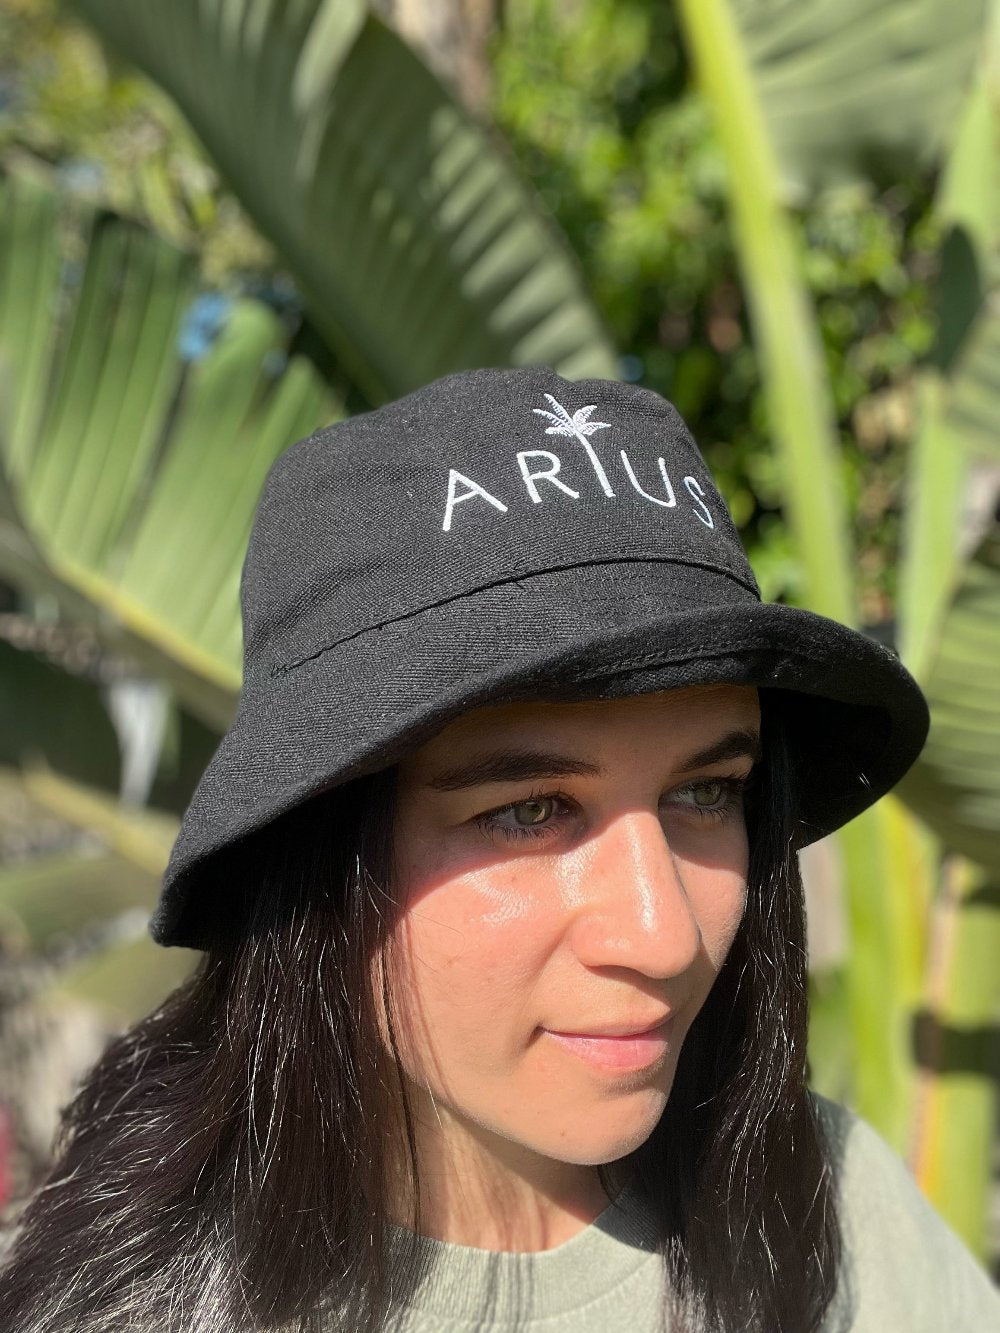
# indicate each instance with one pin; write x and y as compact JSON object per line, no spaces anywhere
{"x":529,"y":818}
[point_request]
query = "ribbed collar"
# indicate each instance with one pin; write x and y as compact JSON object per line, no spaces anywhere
{"x":462,"y":1282}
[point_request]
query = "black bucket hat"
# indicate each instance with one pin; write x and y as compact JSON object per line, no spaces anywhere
{"x":506,"y":534}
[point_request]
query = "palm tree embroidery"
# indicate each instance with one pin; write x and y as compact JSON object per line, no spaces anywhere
{"x":579,"y":426}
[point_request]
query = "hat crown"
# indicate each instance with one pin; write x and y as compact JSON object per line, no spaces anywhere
{"x":507,"y":534}
{"x":483,"y":477}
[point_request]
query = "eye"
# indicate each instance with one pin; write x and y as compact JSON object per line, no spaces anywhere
{"x":711,"y":798}
{"x":707,"y":794}
{"x":537,"y":815}
{"x":530,"y":818}
{"x":537,"y":811}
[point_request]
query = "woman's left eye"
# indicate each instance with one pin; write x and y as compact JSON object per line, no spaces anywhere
{"x":711,"y":795}
{"x":713,"y":799}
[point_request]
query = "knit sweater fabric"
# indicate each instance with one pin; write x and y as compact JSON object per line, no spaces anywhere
{"x":904,"y":1270}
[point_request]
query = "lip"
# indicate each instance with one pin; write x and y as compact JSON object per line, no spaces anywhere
{"x":617,"y":1029}
{"x":619,"y":1051}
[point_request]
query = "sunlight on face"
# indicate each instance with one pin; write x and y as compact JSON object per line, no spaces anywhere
{"x":569,"y":875}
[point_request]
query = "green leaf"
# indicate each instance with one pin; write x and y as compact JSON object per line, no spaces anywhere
{"x":955,"y":785}
{"x":35,"y":701}
{"x":786,"y":336}
{"x":888,"y":864}
{"x":814,"y":93}
{"x":974,"y":398}
{"x":417,"y":246}
{"x":63,"y":893}
{"x":930,"y":556}
{"x":859,"y":88}
{"x":29,"y":281}
{"x":50,"y":898}
{"x":143,"y":837}
{"x":969,"y":286}
{"x":955,"y":1127}
{"x":959,"y":395}
{"x":130,"y":476}
{"x":969,"y":192}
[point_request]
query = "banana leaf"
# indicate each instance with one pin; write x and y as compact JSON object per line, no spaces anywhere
{"x":950,"y":596}
{"x":417,"y":246}
{"x":806,"y":95}
{"x":87,"y":905}
{"x":60,"y":897}
{"x":975,"y":383}
{"x":957,"y":1046}
{"x":786,"y":335}
{"x":860,"y":90}
{"x":955,"y":787}
{"x":130,"y":467}
{"x":36,"y":699}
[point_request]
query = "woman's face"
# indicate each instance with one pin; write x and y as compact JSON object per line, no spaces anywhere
{"x":569,"y":875}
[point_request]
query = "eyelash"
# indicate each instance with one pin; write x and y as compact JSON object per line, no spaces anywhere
{"x":734,"y":790}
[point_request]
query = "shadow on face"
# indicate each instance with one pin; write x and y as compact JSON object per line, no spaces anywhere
{"x":568,"y":875}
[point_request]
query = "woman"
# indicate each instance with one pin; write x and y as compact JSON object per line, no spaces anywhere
{"x":501,"y":1019}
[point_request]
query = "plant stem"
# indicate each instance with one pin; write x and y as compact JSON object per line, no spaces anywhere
{"x":785,"y":333}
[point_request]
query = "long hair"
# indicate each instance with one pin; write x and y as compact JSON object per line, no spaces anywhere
{"x":224,"y":1167}
{"x":738,"y":1171}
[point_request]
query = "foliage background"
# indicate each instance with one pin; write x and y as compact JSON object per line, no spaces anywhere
{"x":596,"y":102}
{"x":604,"y":117}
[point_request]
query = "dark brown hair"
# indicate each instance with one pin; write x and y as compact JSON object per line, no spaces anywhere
{"x":222,"y":1170}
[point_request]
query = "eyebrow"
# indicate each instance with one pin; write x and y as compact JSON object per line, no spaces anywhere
{"x":520,"y":765}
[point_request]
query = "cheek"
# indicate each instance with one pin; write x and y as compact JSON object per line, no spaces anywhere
{"x":717,"y":892}
{"x":460,"y":955}
{"x":722,"y":921}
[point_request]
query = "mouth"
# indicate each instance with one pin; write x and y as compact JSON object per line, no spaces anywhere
{"x":617,"y":1029}
{"x":618,"y":1051}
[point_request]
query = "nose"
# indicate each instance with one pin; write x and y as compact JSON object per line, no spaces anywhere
{"x":633,"y":907}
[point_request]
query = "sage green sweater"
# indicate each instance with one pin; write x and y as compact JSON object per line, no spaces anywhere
{"x":905,"y":1271}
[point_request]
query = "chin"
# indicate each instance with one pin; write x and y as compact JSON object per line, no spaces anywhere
{"x":599,"y":1137}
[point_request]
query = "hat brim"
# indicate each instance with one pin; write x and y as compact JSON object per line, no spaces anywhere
{"x":857,"y":719}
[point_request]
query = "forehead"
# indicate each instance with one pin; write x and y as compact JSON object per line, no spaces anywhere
{"x":669,"y":718}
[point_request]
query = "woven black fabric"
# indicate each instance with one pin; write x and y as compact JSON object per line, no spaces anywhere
{"x":506,"y":534}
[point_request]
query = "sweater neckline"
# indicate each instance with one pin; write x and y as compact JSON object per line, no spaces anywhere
{"x":452,"y":1281}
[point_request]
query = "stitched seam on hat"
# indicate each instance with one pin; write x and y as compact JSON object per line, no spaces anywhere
{"x":280,"y":668}
{"x":734,"y":645}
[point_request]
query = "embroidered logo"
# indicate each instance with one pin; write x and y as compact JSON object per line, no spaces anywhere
{"x":578,"y":426}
